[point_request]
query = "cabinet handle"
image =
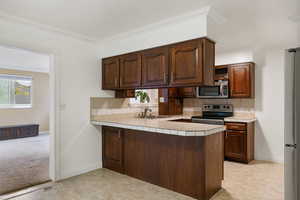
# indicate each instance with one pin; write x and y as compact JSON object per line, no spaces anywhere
{"x":119,"y":134}
{"x":233,"y":131}
{"x":116,"y":82}
{"x":172,"y":76}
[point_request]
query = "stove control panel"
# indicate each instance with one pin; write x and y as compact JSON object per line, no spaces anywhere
{"x":217,"y":108}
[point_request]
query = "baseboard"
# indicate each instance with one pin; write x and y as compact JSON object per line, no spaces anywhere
{"x":44,"y":133}
{"x":274,"y":160}
{"x":92,"y":167}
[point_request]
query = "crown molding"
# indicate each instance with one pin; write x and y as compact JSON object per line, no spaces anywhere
{"x":204,"y":11}
{"x":44,"y":27}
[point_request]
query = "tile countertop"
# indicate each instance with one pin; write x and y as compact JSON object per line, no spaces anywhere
{"x":241,"y":118}
{"x":159,"y":125}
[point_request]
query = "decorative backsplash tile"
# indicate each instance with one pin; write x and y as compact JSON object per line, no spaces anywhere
{"x":239,"y":105}
{"x":107,"y":106}
{"x":104,"y":106}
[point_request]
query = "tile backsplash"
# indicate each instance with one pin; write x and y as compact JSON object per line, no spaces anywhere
{"x":104,"y":106}
{"x":239,"y":105}
{"x":110,"y":105}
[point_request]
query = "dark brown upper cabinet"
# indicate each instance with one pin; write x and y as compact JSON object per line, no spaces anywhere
{"x":184,"y":64}
{"x":188,"y":92}
{"x":221,"y":72}
{"x":130,"y":71}
{"x":192,"y":63}
{"x":241,"y":80}
{"x":110,"y":73}
{"x":155,"y":68}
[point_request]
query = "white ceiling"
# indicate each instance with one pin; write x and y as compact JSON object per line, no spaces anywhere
{"x":98,"y":18}
{"x":19,"y":59}
{"x":248,"y":22}
{"x":256,"y":23}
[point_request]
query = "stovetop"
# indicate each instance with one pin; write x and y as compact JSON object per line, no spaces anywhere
{"x":214,"y":114}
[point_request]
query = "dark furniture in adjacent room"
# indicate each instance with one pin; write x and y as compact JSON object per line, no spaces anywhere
{"x":19,"y":131}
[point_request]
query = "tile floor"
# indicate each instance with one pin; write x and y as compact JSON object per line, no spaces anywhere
{"x":256,"y":181}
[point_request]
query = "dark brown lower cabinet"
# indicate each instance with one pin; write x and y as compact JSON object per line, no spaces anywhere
{"x":189,"y":165}
{"x":112,"y":152}
{"x":239,"y":142}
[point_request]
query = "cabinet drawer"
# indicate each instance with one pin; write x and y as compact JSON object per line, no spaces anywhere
{"x":236,"y":126}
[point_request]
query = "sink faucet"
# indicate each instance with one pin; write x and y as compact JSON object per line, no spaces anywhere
{"x":145,"y":113}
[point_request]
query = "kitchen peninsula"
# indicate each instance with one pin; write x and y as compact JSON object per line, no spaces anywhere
{"x":183,"y":157}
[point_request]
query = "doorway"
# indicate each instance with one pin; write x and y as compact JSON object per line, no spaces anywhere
{"x":27,"y":115}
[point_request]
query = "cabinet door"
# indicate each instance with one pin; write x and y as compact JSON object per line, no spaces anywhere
{"x":187,"y":64}
{"x":125,"y":94}
{"x":112,"y":139}
{"x":110,"y":73}
{"x":130,"y":71}
{"x":235,"y":145}
{"x":240,"y":78}
{"x":155,"y":67}
{"x":189,"y":92}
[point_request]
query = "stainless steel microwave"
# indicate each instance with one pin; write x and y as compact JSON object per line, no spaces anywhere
{"x":218,"y":91}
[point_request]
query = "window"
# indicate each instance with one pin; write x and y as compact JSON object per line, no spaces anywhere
{"x":152,"y":93}
{"x":15,"y":91}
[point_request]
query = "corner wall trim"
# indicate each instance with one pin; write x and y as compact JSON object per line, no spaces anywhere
{"x":76,"y":172}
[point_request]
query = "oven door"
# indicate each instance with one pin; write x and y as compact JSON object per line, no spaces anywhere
{"x":210,"y":92}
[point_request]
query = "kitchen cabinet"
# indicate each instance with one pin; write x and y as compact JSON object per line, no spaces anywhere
{"x":125,"y":94}
{"x":112,"y":152}
{"x":192,"y":63}
{"x":188,"y":92}
{"x":110,"y":73}
{"x":169,"y":102}
{"x":221,"y":72}
{"x":235,"y":144}
{"x":241,"y":79}
{"x":130,"y":71}
{"x":239,"y":142}
{"x":184,"y":64}
{"x":155,"y":67}
{"x":187,"y":165}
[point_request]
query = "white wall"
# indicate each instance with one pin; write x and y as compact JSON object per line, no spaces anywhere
{"x":19,"y":59}
{"x":77,"y":71}
{"x":298,"y":35}
{"x":269,"y":98}
{"x":166,"y":32}
{"x":189,"y":26}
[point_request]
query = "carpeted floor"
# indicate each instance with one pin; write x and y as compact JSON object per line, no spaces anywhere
{"x":23,"y":163}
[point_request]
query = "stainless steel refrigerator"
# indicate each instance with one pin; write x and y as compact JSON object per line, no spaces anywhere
{"x":292,"y":125}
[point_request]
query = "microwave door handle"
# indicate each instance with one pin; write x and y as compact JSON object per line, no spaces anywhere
{"x":221,"y":90}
